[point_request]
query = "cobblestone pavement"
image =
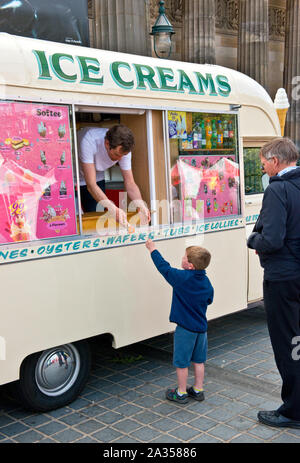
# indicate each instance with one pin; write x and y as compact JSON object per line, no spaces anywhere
{"x":124,"y":401}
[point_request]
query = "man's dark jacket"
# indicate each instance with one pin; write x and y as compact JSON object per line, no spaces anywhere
{"x":276,"y":234}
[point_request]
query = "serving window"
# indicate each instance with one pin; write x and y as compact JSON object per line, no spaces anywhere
{"x":37,"y":198}
{"x":204,"y":166}
{"x":253,"y":172}
{"x":100,"y":221}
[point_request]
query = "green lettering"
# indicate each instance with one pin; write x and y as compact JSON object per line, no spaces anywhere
{"x":207,"y":82}
{"x":55,"y":64}
{"x":166,"y":74}
{"x":126,"y":238}
{"x":145,"y":73}
{"x":89,"y":66}
{"x":4,"y":255}
{"x":14,"y":254}
{"x":224,"y":87}
{"x":185,"y":82}
{"x":115,"y":73}
{"x":44,"y":71}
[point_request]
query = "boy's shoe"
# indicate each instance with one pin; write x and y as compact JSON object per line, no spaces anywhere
{"x":173,"y":395}
{"x":195,"y":395}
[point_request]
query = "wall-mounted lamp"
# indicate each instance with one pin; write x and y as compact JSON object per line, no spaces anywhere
{"x":162,"y":32}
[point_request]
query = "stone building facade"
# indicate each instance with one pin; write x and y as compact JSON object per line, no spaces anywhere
{"x":260,"y":38}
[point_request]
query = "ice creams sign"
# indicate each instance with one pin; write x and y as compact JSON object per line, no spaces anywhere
{"x":87,"y":70}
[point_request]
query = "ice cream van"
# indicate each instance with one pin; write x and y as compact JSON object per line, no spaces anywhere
{"x":68,"y":276}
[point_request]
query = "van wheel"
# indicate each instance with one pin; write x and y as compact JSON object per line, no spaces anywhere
{"x":55,"y":377}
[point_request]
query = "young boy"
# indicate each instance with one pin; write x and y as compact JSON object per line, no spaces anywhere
{"x":192,"y":292}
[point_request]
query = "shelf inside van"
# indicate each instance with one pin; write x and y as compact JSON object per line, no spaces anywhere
{"x":90,"y":219}
{"x":209,"y":150}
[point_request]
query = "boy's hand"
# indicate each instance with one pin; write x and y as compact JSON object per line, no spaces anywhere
{"x":150,"y":245}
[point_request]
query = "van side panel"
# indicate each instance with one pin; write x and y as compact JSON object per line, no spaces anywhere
{"x":58,"y":300}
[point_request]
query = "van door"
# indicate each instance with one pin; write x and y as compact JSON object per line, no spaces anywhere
{"x":253,"y":201}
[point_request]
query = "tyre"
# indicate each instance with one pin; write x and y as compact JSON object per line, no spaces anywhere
{"x":55,"y":377}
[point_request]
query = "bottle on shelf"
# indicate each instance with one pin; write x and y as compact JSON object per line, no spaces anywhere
{"x":203,"y":135}
{"x":208,"y":133}
{"x":220,"y":135}
{"x":190,"y":140}
{"x":197,"y":136}
{"x":214,"y":135}
{"x":225,"y":134}
{"x":230,"y":135}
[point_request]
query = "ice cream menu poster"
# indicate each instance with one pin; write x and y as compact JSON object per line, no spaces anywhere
{"x":36,"y":176}
{"x":211,"y":184}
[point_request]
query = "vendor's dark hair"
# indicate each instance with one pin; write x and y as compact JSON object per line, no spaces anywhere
{"x":281,"y":148}
{"x":120,"y":135}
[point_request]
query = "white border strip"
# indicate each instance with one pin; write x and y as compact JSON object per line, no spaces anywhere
{"x":91,"y":243}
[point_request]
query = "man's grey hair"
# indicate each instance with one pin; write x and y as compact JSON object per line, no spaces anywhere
{"x":281,"y":148}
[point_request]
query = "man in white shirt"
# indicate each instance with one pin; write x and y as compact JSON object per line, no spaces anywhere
{"x":99,"y":149}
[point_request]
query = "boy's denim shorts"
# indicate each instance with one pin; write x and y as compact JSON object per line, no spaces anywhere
{"x":189,"y":347}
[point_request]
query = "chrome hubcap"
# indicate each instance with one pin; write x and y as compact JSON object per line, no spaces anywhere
{"x":57,"y":370}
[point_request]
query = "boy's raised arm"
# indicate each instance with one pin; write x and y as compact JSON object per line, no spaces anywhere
{"x":169,"y":273}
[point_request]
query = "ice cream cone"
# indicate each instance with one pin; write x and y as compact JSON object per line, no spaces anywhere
{"x":282,"y":116}
{"x":282,"y":105}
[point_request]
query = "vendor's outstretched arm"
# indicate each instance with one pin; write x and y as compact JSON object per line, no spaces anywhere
{"x":89,"y":172}
{"x":135,"y":194}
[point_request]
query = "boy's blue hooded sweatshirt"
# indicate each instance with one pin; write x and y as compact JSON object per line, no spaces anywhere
{"x":192,"y":293}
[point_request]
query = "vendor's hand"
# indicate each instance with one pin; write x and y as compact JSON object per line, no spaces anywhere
{"x":150,"y":245}
{"x":121,"y":217}
{"x":144,"y":215}
{"x":118,"y":214}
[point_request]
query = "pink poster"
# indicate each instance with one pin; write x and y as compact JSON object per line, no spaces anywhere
{"x":210,"y":183}
{"x":36,"y":176}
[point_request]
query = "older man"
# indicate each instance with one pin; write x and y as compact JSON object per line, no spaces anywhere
{"x":276,"y":239}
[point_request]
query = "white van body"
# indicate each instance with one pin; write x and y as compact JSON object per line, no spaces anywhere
{"x":84,"y":288}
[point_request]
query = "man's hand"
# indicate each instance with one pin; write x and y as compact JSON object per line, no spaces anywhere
{"x":250,"y":239}
{"x":150,"y":245}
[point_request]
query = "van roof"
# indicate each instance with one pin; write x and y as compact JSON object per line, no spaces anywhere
{"x":79,"y":75}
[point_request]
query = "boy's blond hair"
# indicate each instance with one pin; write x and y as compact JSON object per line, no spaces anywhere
{"x":199,"y":257}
